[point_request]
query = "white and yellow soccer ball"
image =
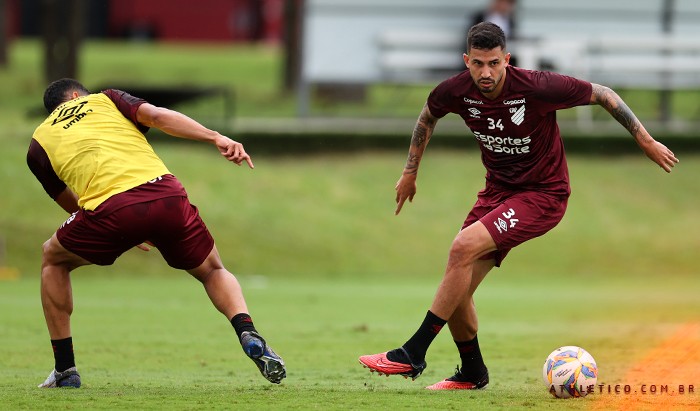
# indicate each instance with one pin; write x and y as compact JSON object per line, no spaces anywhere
{"x":570,"y":371}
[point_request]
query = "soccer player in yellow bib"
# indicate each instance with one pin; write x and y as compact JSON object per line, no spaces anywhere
{"x":92,"y":158}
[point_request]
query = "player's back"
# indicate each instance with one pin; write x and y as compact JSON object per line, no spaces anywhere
{"x":96,"y":150}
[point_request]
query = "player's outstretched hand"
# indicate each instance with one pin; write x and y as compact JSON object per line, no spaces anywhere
{"x":661,"y":155}
{"x":405,"y":189}
{"x":233,"y":151}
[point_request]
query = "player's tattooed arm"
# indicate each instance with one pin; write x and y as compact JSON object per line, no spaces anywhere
{"x":614,"y":104}
{"x":406,"y":186}
{"x":422,"y":132}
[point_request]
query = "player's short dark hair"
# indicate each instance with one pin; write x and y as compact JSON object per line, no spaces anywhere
{"x":485,"y":36}
{"x":58,"y":91}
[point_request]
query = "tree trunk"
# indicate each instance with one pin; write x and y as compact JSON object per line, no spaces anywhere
{"x":62,"y":32}
{"x":3,"y":33}
{"x":293,"y":24}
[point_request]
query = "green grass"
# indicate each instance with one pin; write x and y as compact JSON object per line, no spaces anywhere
{"x":277,"y":219}
{"x":253,"y":73}
{"x":330,"y":273}
{"x":156,"y":343}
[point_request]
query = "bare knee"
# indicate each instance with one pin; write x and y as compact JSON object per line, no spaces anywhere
{"x":202,"y":275}
{"x":53,"y":254}
{"x":49,"y":253}
{"x":463,"y":250}
{"x":46,"y":251}
{"x":208,"y":269}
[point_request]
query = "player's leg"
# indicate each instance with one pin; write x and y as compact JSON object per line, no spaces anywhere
{"x":225,"y":293}
{"x":179,"y":233}
{"x":464,"y":324}
{"x":221,"y":286}
{"x":470,"y":244}
{"x":409,"y":360}
{"x":57,"y":302}
{"x":521,"y":217}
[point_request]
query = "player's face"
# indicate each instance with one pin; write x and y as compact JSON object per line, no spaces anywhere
{"x":487,"y":68}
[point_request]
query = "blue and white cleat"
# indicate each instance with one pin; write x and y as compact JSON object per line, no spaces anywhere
{"x":271,"y":365}
{"x":66,"y":379}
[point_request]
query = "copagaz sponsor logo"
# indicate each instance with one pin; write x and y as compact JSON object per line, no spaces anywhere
{"x":508,"y":221}
{"x":474,"y":113}
{"x":72,"y":113}
{"x":470,"y":101}
{"x":514,"y":102}
{"x":507,"y":145}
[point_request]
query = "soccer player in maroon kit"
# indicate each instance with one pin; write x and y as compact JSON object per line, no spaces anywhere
{"x":512,"y":113}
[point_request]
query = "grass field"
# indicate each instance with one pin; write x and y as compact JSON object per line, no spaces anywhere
{"x":331,"y":274}
{"x":155,"y":343}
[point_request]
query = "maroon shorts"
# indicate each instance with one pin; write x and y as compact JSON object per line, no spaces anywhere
{"x":513,"y":217}
{"x":172,"y":224}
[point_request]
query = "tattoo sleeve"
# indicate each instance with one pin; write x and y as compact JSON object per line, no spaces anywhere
{"x":421,"y":136}
{"x":612,"y":102}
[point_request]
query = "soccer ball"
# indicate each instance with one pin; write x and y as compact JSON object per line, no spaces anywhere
{"x":570,"y":371}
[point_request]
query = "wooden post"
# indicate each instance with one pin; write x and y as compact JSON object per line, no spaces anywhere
{"x":665,"y":94}
{"x":3,"y":33}
{"x":62,"y":32}
{"x":292,"y":41}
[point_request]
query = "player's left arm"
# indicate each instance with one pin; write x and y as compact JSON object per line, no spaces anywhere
{"x":179,"y":125}
{"x":68,"y":201}
{"x":613,"y":103}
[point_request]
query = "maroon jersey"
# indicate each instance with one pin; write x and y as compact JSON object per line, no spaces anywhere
{"x":517,"y":132}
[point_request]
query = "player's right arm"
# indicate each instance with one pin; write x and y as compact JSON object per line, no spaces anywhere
{"x":406,"y":186}
{"x":40,"y":165}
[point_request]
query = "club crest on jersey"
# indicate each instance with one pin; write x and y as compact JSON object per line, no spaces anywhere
{"x":517,"y":114}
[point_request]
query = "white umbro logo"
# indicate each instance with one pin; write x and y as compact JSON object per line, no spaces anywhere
{"x":518,"y":115}
{"x":475,"y":112}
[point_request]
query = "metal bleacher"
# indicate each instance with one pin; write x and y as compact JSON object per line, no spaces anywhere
{"x":628,"y":44}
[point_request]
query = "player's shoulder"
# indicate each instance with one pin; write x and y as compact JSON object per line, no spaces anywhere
{"x":111,"y":93}
{"x":526,"y":77}
{"x":455,"y":85}
{"x":461,"y":78}
{"x":535,"y":81}
{"x":122,"y":97}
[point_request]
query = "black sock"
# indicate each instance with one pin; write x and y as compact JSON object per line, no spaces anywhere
{"x":63,"y":354}
{"x":418,"y":345}
{"x":472,"y":362}
{"x":242,"y":322}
